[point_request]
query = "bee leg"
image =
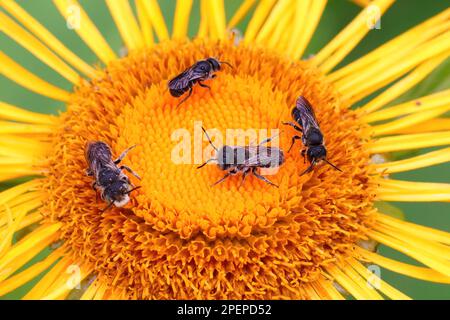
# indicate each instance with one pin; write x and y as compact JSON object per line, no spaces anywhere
{"x":268,"y":139}
{"x":123,"y":155}
{"x":309,"y":168}
{"x":109,"y":206}
{"x":222,"y":180}
{"x":296,"y":127}
{"x":243,"y":178}
{"x":187,"y":97}
{"x":94,"y":187}
{"x":304,"y":155}
{"x":130,"y":171}
{"x":204,"y":85}
{"x":294,"y":138}
{"x":256,"y":174}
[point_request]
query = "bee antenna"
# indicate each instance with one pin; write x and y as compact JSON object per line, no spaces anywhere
{"x":227,"y":63}
{"x":209,"y":139}
{"x":332,"y":165}
{"x":134,"y":189}
{"x":208,"y":161}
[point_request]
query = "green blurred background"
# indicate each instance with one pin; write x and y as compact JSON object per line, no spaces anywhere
{"x":403,"y":15}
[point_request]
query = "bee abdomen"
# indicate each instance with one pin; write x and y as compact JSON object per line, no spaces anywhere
{"x":177,"y":92}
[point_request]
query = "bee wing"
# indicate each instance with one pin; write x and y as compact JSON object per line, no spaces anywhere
{"x":181,"y":81}
{"x":308,"y":116}
{"x":260,"y":156}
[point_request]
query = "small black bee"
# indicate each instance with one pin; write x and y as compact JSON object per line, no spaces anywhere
{"x":201,"y":71}
{"x":312,"y":138}
{"x":248,"y":159}
{"x":113,"y":185}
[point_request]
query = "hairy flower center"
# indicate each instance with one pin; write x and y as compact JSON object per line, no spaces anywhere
{"x":181,"y":237}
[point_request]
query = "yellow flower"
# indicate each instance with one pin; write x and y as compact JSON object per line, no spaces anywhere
{"x":180,"y":238}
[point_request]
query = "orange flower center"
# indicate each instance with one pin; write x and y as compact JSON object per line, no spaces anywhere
{"x":180,"y":237}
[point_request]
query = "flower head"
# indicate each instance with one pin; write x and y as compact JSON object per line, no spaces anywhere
{"x":180,"y":237}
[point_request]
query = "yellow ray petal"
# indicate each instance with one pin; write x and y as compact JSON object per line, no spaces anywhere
{"x":34,"y":46}
{"x":262,"y":11}
{"x":12,"y":70}
{"x":156,"y":17}
{"x":203,"y":29}
{"x":348,"y":284}
{"x":87,"y":30}
{"x":439,"y":124}
{"x":433,"y":249}
{"x":240,"y":13}
{"x":20,"y":147}
{"x":361,"y":282}
{"x":25,"y":222}
{"x":362,"y":3}
{"x":399,"y":185}
{"x":27,"y":248}
{"x":16,"y":213}
{"x":6,"y":175}
{"x":435,"y":100}
{"x":10,"y":112}
{"x":28,"y":274}
{"x":44,"y":232}
{"x":91,"y":291}
{"x":327,"y":286}
{"x":340,"y":55}
{"x":418,"y":230}
{"x":58,"y":271}
{"x":62,"y":287}
{"x":101,"y":292}
{"x":16,"y":191}
{"x":217,"y":19}
{"x":384,"y":287}
{"x":422,"y":161}
{"x":421,"y":256}
{"x":278,"y":39}
{"x":181,"y":19}
{"x":401,"y":86}
{"x":421,"y":273}
{"x":314,"y":14}
{"x":383,"y":73}
{"x":299,"y":25}
{"x":404,"y":43}
{"x":6,"y":237}
{"x":409,"y":121}
{"x":7,"y":127}
{"x":410,"y":141}
{"x":349,"y":37}
{"x":279,"y":10}
{"x":47,"y":37}
{"x":145,"y":24}
{"x":415,"y":196}
{"x":126,"y":23}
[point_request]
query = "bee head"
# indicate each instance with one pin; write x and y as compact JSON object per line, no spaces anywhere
{"x":203,"y":67}
{"x":316,"y":153}
{"x":225,"y":158}
{"x":215,"y":64}
{"x":117,"y":193}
